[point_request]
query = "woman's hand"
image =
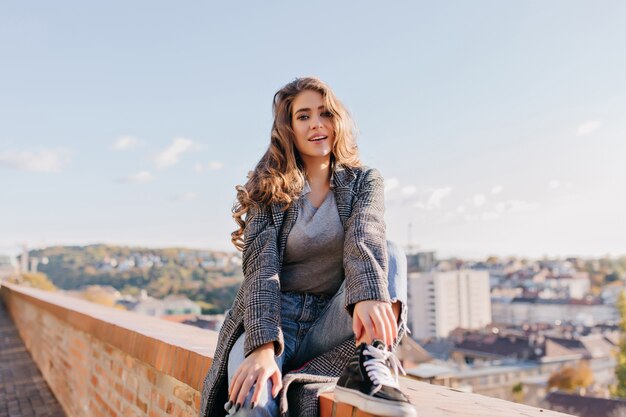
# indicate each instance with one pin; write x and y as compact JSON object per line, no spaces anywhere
{"x":256,"y":369}
{"x":373,"y":319}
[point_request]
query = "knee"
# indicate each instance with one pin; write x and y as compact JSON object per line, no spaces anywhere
{"x":266,"y":407}
{"x":267,"y":410}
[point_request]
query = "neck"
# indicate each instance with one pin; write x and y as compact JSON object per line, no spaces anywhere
{"x":318,"y":171}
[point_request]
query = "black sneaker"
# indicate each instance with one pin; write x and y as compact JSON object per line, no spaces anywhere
{"x":368,"y":384}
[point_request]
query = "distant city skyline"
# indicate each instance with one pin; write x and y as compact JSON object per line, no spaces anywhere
{"x":499,"y":128}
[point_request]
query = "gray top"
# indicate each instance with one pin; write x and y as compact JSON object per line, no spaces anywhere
{"x":313,"y":260}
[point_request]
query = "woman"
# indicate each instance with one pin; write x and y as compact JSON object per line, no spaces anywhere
{"x":316,"y":280}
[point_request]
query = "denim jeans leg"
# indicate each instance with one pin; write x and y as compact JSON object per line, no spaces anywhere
{"x":294,"y":314}
{"x":335,"y":324}
{"x":398,"y":277}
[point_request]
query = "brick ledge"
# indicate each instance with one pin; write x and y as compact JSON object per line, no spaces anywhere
{"x":178,"y":350}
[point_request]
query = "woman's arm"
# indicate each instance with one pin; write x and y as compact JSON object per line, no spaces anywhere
{"x":365,"y":263}
{"x":365,"y":244}
{"x":261,"y":288}
{"x":261,"y":282}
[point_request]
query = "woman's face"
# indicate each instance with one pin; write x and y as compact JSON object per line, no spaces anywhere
{"x":313,"y":126}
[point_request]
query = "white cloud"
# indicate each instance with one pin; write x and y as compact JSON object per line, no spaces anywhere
{"x":140,"y":177}
{"x":588,"y":127}
{"x":125,"y":143}
{"x":188,"y":196}
{"x":438,"y":195}
{"x":213,"y":166}
{"x":490,"y":215}
{"x":390,"y":184}
{"x":447,"y":217}
{"x":408,"y":190}
{"x":171,"y":155}
{"x":460,"y":209}
{"x":554,"y":184}
{"x":434,"y":201}
{"x":470,"y":217}
{"x":515,"y":206}
{"x":41,"y":160}
{"x":497,"y":189}
{"x":479,"y":199}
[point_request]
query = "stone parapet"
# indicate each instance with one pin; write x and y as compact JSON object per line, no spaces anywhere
{"x":102,"y":362}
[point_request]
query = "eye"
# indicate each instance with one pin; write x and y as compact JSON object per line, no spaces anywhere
{"x":303,"y":117}
{"x":327,"y":114}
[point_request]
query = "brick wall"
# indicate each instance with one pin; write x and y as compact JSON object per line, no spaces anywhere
{"x":104,"y":362}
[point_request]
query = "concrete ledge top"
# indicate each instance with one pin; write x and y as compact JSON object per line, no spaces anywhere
{"x":185,"y":353}
{"x":181,"y":351}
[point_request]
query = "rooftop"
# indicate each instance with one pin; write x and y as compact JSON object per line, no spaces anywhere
{"x":23,"y":391}
{"x":102,"y":362}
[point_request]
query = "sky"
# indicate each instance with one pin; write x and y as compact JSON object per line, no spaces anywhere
{"x":499,"y":127}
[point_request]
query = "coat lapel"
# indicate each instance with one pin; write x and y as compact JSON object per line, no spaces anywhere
{"x":283,"y":221}
{"x":343,"y":180}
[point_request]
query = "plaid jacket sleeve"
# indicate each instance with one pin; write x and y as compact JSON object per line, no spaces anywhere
{"x":261,"y":282}
{"x":365,"y":247}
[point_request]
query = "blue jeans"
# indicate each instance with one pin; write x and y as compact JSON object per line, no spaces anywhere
{"x":313,"y":324}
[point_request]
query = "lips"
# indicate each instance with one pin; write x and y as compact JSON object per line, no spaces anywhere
{"x":317,"y":138}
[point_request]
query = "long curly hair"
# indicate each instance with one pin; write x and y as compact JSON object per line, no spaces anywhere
{"x":279,"y":175}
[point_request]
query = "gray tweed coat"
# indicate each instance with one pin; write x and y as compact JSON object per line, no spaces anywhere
{"x":359,"y":193}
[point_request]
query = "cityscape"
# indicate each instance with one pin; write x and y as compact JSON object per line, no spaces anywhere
{"x":128,"y":128}
{"x":540,"y":332}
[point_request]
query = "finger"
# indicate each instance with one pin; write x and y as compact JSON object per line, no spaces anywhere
{"x":394,"y":323}
{"x":388,"y":327}
{"x":260,"y":383}
{"x":356,"y":325}
{"x":368,"y":328}
{"x":277,"y":383}
{"x":234,"y":380}
{"x":245,"y":388}
{"x":357,"y":328}
{"x":383,"y":325}
{"x":379,"y":324}
{"x":236,"y":385}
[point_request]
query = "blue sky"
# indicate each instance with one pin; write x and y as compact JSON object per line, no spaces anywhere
{"x":499,"y":126}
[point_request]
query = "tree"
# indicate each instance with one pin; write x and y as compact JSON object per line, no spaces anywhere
{"x":570,"y":379}
{"x":97,"y":294}
{"x":35,"y":280}
{"x":619,"y":390}
{"x":518,"y":392}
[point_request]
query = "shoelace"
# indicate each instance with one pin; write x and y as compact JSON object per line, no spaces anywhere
{"x":377,"y":368}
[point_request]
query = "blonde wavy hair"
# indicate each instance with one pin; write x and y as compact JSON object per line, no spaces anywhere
{"x":279,"y":176}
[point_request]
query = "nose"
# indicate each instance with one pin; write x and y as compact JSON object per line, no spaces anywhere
{"x":316,"y":122}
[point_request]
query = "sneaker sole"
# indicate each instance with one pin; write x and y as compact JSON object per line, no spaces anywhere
{"x":372,"y":405}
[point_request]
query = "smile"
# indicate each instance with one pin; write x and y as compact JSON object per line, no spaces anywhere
{"x":318,"y":138}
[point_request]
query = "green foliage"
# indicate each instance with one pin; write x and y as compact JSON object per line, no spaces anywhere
{"x":619,"y":390}
{"x":35,"y":280}
{"x":570,"y":379}
{"x":178,"y":272}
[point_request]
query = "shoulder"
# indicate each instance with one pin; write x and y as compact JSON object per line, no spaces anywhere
{"x":359,"y":174}
{"x":370,"y":173}
{"x":367,"y":177}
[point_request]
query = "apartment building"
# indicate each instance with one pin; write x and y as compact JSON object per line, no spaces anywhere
{"x":441,"y":301}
